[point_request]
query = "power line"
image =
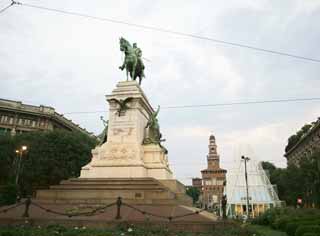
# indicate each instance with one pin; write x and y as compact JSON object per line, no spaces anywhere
{"x":10,"y":5}
{"x":216,"y":104}
{"x":244,"y":103}
{"x":168,"y":31}
{"x":221,"y":162}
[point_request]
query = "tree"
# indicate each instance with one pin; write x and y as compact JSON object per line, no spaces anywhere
{"x":194,"y":193}
{"x":294,"y":139}
{"x":302,"y":181}
{"x":7,"y":156}
{"x":310,"y":168}
{"x":268,"y":166}
{"x":51,"y":157}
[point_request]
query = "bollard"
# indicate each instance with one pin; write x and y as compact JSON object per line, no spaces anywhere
{"x":27,"y":205}
{"x":119,"y":203}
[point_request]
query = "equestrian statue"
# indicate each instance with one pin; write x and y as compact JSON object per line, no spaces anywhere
{"x":132,"y":61}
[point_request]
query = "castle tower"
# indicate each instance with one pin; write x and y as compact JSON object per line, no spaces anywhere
{"x":213,"y":178}
{"x":213,"y":158}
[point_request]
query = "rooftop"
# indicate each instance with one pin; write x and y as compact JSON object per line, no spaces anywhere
{"x":42,"y":110}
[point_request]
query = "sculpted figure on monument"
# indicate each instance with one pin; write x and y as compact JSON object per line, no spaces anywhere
{"x":132,"y":61}
{"x":153,"y":135}
{"x":104,"y":135}
{"x":153,"y":129}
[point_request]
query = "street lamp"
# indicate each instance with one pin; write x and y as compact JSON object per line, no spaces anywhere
{"x":20,"y":152}
{"x":246,"y":178}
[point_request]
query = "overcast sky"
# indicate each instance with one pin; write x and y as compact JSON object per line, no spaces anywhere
{"x":71,"y":63}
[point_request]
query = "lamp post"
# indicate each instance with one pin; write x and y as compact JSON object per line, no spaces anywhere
{"x":246,"y":178}
{"x":19,"y":152}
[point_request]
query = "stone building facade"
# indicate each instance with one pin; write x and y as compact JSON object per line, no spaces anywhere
{"x":213,"y":178}
{"x":16,"y":117}
{"x":197,"y":183}
{"x":306,"y":146}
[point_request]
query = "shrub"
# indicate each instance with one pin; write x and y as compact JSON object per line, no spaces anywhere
{"x":293,"y":225}
{"x":267,"y":218}
{"x":291,"y":228}
{"x":281,"y":222}
{"x":307,"y":229}
{"x":8,"y":195}
{"x":56,"y":228}
{"x":7,"y":233}
{"x":310,"y":234}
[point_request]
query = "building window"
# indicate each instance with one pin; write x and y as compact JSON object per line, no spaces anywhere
{"x":4,"y":119}
{"x":27,"y":122}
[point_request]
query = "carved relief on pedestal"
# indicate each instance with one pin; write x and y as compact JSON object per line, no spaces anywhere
{"x":118,"y":152}
{"x":122,"y":131}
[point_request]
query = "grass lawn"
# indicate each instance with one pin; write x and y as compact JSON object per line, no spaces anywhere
{"x":265,"y":230}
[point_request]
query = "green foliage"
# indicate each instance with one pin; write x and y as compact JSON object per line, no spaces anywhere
{"x":289,"y":219}
{"x":291,"y":228}
{"x":267,"y":218}
{"x":310,"y":234}
{"x":8,"y":194}
{"x":194,"y":193}
{"x":294,"y":182}
{"x":268,"y":166}
{"x":7,"y":155}
{"x":294,"y":139}
{"x":281,"y":222}
{"x":124,"y":229}
{"x":258,"y":230}
{"x":57,"y":228}
{"x":307,"y":229}
{"x":51,"y":157}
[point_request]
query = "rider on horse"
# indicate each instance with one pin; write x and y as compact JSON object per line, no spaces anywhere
{"x":133,"y":60}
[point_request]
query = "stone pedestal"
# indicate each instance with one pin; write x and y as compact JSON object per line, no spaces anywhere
{"x":124,"y":155}
{"x":123,"y":166}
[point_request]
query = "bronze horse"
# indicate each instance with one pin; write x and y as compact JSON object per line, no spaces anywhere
{"x":132,"y":61}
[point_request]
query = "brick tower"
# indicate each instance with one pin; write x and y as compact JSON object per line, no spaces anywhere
{"x":213,"y":178}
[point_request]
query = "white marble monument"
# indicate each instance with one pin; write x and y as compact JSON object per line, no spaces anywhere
{"x":124,"y":155}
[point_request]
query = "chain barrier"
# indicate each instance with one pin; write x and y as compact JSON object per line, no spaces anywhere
{"x":12,"y":207}
{"x":88,"y":213}
{"x":96,"y":211}
{"x":170,"y":218}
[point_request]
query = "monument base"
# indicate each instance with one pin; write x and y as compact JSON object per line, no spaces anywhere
{"x":107,"y":190}
{"x":153,"y":163}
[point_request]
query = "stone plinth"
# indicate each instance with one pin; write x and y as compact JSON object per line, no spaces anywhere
{"x":123,"y":155}
{"x":106,"y":190}
{"x":123,"y":166}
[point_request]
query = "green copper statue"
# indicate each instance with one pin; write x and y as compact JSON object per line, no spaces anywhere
{"x":153,"y":135}
{"x":153,"y":129}
{"x":132,"y":61}
{"x":104,"y":135}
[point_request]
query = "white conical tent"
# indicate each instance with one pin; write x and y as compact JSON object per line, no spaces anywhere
{"x":262,"y":194}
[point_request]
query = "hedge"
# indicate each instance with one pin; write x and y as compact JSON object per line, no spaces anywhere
{"x":292,"y":226}
{"x":307,"y":229}
{"x":310,"y":234}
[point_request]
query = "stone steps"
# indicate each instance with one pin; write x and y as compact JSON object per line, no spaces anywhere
{"x":136,"y":181}
{"x":98,"y":190}
{"x":106,"y":187}
{"x":110,"y":183}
